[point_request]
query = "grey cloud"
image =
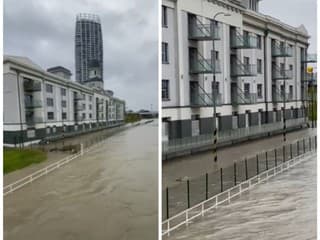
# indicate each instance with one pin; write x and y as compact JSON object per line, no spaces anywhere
{"x":43,"y":30}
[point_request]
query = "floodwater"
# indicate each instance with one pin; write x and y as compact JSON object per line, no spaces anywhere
{"x":110,"y":193}
{"x":195,"y":165}
{"x":283,"y":208}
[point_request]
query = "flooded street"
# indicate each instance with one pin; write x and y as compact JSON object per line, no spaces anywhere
{"x":283,"y":208}
{"x":198,"y":164}
{"x":110,"y":193}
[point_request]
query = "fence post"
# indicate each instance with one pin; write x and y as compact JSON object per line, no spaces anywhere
{"x":188,"y":192}
{"x":267,"y":164}
{"x":167,"y":201}
{"x":275,"y":157}
{"x":235,"y":173}
{"x":298,"y":150}
{"x":221,"y":180}
{"x":257,"y":159}
{"x":284,"y":153}
{"x":310,"y":144}
{"x":291,"y":151}
{"x":207,"y":186}
{"x":81,"y":146}
{"x":304,"y":146}
{"x":315,"y":142}
{"x":246,"y":164}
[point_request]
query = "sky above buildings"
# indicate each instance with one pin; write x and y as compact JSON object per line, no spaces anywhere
{"x":294,"y":13}
{"x":44,"y":30}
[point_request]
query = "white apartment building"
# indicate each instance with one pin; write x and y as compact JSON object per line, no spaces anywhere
{"x":259,"y":66}
{"x":44,"y":105}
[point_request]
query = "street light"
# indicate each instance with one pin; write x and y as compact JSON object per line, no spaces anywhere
{"x":213,"y":62}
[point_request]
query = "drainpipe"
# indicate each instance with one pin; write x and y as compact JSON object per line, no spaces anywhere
{"x":19,"y":100}
{"x":266,"y":33}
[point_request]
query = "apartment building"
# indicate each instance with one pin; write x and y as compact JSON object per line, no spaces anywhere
{"x":41,"y":104}
{"x":258,"y":62}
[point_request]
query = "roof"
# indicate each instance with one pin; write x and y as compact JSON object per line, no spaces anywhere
{"x":59,"y":69}
{"x":22,"y":60}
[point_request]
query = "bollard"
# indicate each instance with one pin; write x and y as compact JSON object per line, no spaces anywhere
{"x":315,"y":142}
{"x":221,"y":180}
{"x":267,"y":164}
{"x":207,"y":186}
{"x":246,"y":165}
{"x":284,"y":153}
{"x":81,"y":146}
{"x":167,"y":201}
{"x":235,"y":173}
{"x":188,"y":192}
{"x":298,"y":150}
{"x":310,"y":144}
{"x":257,"y":159}
{"x":291,"y":151}
{"x":275,"y":157}
{"x":304,"y":146}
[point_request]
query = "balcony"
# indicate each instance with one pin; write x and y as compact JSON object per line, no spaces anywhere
{"x":310,"y":58}
{"x":239,"y":69}
{"x":246,"y":98}
{"x":281,"y":50}
{"x":281,"y":97}
{"x":204,"y":99}
{"x":200,"y":65}
{"x":31,"y":104}
{"x":31,"y":86}
{"x":243,"y":41}
{"x":281,"y":74}
{"x":79,"y":97}
{"x":100,"y":101}
{"x":100,"y":109}
{"x":79,"y":107}
{"x":203,"y":32}
{"x":31,"y":121}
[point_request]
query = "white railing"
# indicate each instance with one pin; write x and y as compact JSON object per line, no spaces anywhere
{"x":185,"y":217}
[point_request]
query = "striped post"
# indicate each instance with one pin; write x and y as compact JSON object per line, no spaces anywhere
{"x":215,"y":140}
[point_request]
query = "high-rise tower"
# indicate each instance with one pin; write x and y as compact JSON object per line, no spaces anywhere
{"x":89,"y":50}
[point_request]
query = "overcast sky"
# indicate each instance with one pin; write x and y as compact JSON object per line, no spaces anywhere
{"x":295,"y":13}
{"x":43,"y":30}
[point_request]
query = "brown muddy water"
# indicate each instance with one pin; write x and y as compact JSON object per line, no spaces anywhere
{"x":110,"y":193}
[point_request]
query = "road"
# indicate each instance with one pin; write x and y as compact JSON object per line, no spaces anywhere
{"x":110,"y":193}
{"x":283,"y":208}
{"x":195,"y":165}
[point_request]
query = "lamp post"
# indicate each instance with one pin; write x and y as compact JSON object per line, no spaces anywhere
{"x":213,"y":62}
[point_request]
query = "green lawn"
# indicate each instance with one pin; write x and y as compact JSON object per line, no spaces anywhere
{"x":14,"y":159}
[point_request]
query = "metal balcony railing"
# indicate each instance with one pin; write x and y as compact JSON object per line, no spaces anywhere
{"x":33,"y":104}
{"x":204,"y":32}
{"x":243,"y":41}
{"x":202,"y":65}
{"x":281,"y":50}
{"x":33,"y":120}
{"x":79,"y":97}
{"x":280,"y":97}
{"x":204,"y":99}
{"x":240,"y":69}
{"x":310,"y":58}
{"x":280,"y":74}
{"x":79,"y":107}
{"x":246,"y":98}
{"x":32,"y":86}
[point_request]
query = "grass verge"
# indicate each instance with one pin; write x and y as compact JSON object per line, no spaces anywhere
{"x":14,"y":159}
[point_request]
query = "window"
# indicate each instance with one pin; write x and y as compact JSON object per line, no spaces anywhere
{"x":63,"y":103}
{"x":165,"y":56}
{"x":90,"y":107}
{"x":259,"y":90}
{"x":246,"y":60}
{"x":49,"y":88}
{"x":90,"y":115}
{"x":259,"y":45}
{"x":83,"y":116}
{"x":63,"y":92}
{"x":291,"y":67}
{"x":83,"y":106}
{"x":164,"y":17}
{"x":247,"y":90}
{"x":90,"y":98}
{"x":282,"y":90}
{"x":50,"y":115}
{"x":291,"y":92}
{"x":64,"y":116}
{"x":50,"y":102}
{"x":165,"y":90}
{"x":259,"y":66}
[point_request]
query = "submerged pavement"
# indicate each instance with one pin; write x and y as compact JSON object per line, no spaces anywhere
{"x":283,"y":208}
{"x":110,"y":193}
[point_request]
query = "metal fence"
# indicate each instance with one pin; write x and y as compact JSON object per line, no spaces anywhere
{"x":182,"y":196}
{"x":183,"y":144}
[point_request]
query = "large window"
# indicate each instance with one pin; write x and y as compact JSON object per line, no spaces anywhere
{"x":259,"y":65}
{"x":50,"y":115}
{"x":259,"y":45}
{"x":64,"y":116}
{"x":49,"y":88}
{"x":291,"y":92}
{"x":164,"y":16}
{"x":165,"y":90}
{"x":259,"y":90}
{"x":63,"y":92}
{"x":50,"y":102}
{"x":165,"y":53}
{"x":63,"y":103}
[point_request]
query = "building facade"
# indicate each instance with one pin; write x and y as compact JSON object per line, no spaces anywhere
{"x":89,"y":50}
{"x":259,"y":66}
{"x":42,"y":105}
